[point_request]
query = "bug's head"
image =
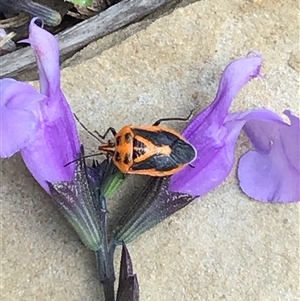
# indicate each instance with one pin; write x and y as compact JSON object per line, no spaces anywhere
{"x":107,"y":148}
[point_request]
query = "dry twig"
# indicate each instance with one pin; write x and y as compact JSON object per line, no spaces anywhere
{"x":78,"y":36}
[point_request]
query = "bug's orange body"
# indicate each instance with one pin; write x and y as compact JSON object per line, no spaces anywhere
{"x":149,"y":150}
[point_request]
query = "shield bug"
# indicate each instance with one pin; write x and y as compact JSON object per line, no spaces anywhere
{"x":148,"y":150}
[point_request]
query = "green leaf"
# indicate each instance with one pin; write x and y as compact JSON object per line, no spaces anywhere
{"x":151,"y":205}
{"x":82,"y":2}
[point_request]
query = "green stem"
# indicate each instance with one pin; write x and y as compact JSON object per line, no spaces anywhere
{"x":104,"y":255}
{"x":104,"y":273}
{"x":109,"y":292}
{"x":113,"y":180}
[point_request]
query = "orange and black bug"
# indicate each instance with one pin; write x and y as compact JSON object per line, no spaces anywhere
{"x":148,"y":150}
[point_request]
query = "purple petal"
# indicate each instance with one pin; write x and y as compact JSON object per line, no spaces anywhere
{"x":213,"y":141}
{"x":211,"y":175}
{"x":18,"y":95}
{"x":257,"y":133}
{"x":18,"y":122}
{"x":271,"y":172}
{"x":290,"y":137}
{"x":56,"y":143}
{"x":46,"y":52}
{"x":235,"y":76}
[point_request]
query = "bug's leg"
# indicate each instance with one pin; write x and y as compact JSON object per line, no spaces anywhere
{"x":173,"y":119}
{"x":110,"y":129}
{"x":191,"y":165}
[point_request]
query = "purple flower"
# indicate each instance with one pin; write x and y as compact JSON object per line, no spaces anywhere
{"x":268,"y":173}
{"x":42,"y":127}
{"x":40,"y":124}
{"x":271,"y":172}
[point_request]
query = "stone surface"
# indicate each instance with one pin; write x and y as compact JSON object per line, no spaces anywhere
{"x":222,"y":247}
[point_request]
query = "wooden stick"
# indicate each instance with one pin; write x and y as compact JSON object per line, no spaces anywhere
{"x":6,"y":38}
{"x":78,"y":36}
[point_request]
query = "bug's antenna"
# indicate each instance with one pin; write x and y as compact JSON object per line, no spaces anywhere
{"x":174,"y":118}
{"x":86,"y":129}
{"x":83,"y":157}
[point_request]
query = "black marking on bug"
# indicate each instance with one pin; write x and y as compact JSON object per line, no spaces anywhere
{"x":138,"y":144}
{"x":138,"y":151}
{"x":117,"y":156}
{"x":181,"y":151}
{"x":157,"y":162}
{"x":158,"y":138}
{"x":127,"y":159}
{"x":118,"y":140}
{"x":128,"y":138}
